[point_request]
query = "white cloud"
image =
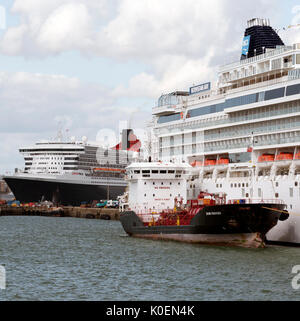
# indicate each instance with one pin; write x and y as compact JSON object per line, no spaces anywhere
{"x":66,"y":28}
{"x":181,"y":41}
{"x":128,"y":29}
{"x":12,"y":42}
{"x":35,"y":102}
{"x":34,"y":106}
{"x":152,"y":28}
{"x":291,"y":34}
{"x":52,"y":26}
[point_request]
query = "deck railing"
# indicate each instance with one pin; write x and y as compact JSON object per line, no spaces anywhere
{"x":255,"y":201}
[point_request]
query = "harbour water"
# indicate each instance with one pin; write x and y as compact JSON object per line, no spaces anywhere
{"x":76,"y":259}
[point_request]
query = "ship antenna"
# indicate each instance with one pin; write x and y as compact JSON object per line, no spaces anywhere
{"x":59,"y":136}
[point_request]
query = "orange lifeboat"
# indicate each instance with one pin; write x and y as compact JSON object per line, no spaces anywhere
{"x":223,"y":161}
{"x":197,"y":163}
{"x":297,"y":156}
{"x":266,"y":158}
{"x":210,"y":162}
{"x":284,"y":156}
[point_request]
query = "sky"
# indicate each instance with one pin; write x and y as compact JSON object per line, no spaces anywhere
{"x":85,"y":66}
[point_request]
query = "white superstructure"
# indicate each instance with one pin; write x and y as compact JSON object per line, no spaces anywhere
{"x":153,"y":187}
{"x":243,"y":133}
{"x":80,"y":161}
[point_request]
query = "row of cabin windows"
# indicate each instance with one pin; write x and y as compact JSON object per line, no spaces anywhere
{"x":234,"y":102}
{"x":246,"y":185}
{"x":157,"y":172}
{"x":291,"y":190}
{"x":145,"y":195}
{"x":296,"y":184}
{"x":238,"y":185}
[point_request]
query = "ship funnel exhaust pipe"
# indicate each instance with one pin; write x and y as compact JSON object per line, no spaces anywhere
{"x":259,"y":36}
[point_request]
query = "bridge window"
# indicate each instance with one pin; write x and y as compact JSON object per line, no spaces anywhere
{"x":275,"y":93}
{"x":293,"y":90}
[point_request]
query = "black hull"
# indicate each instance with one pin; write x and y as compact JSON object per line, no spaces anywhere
{"x":233,"y":224}
{"x":27,"y":190}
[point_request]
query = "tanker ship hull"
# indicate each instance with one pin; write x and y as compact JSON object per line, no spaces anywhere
{"x":242,"y":225}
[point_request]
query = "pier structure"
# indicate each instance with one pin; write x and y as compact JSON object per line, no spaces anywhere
{"x":76,"y":212}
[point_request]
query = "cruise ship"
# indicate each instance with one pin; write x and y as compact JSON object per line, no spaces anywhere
{"x":242,"y":133}
{"x":72,"y":172}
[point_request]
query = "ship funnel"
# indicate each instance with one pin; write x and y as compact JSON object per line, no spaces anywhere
{"x":259,"y":36}
{"x":126,"y":138}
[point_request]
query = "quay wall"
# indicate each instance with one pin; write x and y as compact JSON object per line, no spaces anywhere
{"x":77,"y":212}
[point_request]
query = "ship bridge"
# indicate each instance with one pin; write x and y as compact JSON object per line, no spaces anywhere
{"x":168,"y":103}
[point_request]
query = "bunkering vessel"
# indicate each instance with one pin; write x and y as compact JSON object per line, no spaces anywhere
{"x":241,"y":134}
{"x":159,"y":207}
{"x":70,"y":173}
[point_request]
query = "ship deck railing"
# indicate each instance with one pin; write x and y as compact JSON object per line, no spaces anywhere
{"x":258,"y":84}
{"x":255,"y":201}
{"x":266,"y":55}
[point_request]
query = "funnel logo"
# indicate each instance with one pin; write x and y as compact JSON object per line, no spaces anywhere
{"x":2,"y":278}
{"x":245,"y":45}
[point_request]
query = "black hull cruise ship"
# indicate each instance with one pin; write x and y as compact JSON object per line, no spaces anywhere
{"x":70,"y":173}
{"x":63,"y":192}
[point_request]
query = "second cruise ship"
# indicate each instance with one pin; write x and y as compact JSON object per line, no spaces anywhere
{"x":72,"y":172}
{"x":242,"y":134}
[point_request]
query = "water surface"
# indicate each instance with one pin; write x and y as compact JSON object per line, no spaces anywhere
{"x":80,"y":259}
